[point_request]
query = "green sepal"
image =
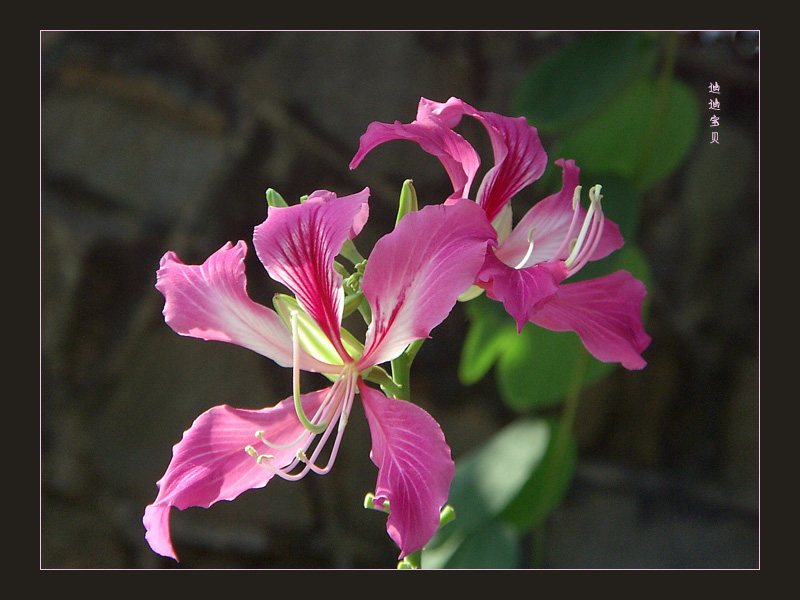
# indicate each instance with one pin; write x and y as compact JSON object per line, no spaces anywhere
{"x":408,"y":200}
{"x":312,"y":339}
{"x":351,"y":253}
{"x":275,"y":199}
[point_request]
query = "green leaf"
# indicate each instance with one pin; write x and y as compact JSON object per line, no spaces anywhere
{"x":545,"y":490}
{"x":577,"y":80}
{"x":537,"y":370}
{"x":490,"y":331}
{"x":501,"y":490}
{"x":486,"y":482}
{"x":644,"y":135}
{"x":495,"y":545}
{"x":488,"y":479}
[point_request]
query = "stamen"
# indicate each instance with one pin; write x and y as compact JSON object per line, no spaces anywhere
{"x":260,"y":435}
{"x":568,"y":244}
{"x":576,"y":197}
{"x":590,"y":226}
{"x":298,"y":406}
{"x":521,"y":263}
{"x":593,"y":239}
{"x":344,"y":402}
{"x":344,"y":411}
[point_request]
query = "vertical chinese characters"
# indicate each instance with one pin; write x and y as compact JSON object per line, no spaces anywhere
{"x":714,"y":104}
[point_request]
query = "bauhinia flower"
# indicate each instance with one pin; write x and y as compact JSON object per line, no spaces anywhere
{"x":411,"y":282}
{"x":527,"y":265}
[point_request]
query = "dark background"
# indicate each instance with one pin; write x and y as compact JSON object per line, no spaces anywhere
{"x":156,"y":141}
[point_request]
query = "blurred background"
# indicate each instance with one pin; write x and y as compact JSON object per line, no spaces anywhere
{"x":156,"y":141}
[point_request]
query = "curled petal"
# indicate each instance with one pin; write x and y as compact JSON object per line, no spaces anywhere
{"x":605,"y":312}
{"x":298,"y":244}
{"x":210,"y":463}
{"x":519,"y":157}
{"x":457,"y":156}
{"x":210,"y":302}
{"x":520,"y":290}
{"x":415,"y":468}
{"x":415,"y":274}
{"x":449,"y":113}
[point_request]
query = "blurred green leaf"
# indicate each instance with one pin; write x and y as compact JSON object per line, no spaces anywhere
{"x":536,"y":371}
{"x":499,"y":491}
{"x":488,"y":479}
{"x":577,"y":80}
{"x":494,"y":545}
{"x":490,"y":331}
{"x":544,"y":491}
{"x":486,"y":482}
{"x":644,"y":135}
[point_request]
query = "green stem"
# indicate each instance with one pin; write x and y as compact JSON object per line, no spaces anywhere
{"x":574,"y":391}
{"x":401,"y":369}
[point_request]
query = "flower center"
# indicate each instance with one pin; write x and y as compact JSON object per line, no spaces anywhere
{"x":336,"y":406}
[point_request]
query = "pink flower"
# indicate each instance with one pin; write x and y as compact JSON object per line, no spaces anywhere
{"x":411,"y":282}
{"x":527,"y":265}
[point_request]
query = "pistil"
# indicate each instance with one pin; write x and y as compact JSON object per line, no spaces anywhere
{"x":298,"y":406}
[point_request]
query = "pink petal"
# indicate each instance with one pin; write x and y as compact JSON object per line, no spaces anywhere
{"x":520,"y":289}
{"x":361,"y":217}
{"x":457,"y":156}
{"x":210,"y":302}
{"x":605,"y":312}
{"x":449,"y":113}
{"x":415,"y":274}
{"x":549,"y":218}
{"x":210,"y":463}
{"x":519,"y":157}
{"x":414,"y":467}
{"x":298,"y":244}
{"x":519,"y":160}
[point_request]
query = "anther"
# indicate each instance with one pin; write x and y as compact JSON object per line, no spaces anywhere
{"x":594,"y":193}
{"x":576,"y":197}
